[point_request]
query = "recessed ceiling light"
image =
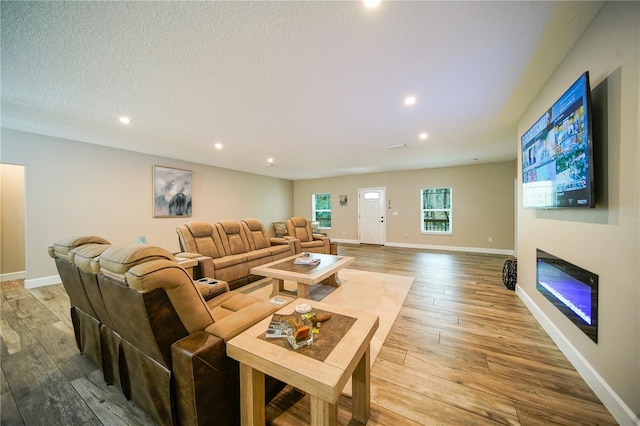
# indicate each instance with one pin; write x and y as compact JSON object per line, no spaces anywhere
{"x":269,"y":160}
{"x":218,"y":146}
{"x":410,"y":100}
{"x":125,"y":120}
{"x":423,"y":136}
{"x":372,"y":4}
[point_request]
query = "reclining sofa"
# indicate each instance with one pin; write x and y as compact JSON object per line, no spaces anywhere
{"x":139,"y":316}
{"x":227,"y":250}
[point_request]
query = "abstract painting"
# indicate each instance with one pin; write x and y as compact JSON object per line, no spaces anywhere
{"x":171,"y":192}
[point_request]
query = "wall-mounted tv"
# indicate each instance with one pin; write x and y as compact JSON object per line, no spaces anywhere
{"x":557,"y":153}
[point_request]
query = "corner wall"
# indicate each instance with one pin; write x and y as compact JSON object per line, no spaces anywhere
{"x":79,"y":188}
{"x":604,"y":240}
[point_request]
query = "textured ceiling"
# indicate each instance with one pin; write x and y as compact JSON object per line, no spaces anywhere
{"x":318,"y":86}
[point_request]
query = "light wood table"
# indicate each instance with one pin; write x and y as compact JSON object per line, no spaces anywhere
{"x":322,"y":380}
{"x":304,"y":275}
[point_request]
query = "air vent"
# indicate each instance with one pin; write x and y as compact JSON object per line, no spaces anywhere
{"x":398,"y":146}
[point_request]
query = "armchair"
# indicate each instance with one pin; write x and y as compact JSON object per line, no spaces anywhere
{"x":300,"y":228}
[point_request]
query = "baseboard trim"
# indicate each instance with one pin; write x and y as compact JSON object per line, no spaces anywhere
{"x":616,"y":406}
{"x":13,"y":276}
{"x":451,"y":248}
{"x":43,"y":281}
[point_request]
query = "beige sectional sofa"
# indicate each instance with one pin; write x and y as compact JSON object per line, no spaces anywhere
{"x":227,"y":250}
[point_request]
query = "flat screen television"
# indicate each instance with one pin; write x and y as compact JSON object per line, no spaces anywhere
{"x":557,"y":153}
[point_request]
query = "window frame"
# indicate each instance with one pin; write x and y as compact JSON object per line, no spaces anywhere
{"x":315,"y":210}
{"x":424,"y":210}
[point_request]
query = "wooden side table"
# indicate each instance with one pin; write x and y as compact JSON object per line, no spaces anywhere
{"x":322,"y":379}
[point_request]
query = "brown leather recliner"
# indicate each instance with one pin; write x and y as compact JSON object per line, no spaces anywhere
{"x":300,"y":228}
{"x":173,"y":350}
{"x":85,"y":317}
{"x":86,"y":259}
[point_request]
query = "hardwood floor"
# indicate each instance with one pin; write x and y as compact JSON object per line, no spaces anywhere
{"x":463,"y":350}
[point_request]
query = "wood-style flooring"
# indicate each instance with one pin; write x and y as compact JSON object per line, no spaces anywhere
{"x":464,"y":350}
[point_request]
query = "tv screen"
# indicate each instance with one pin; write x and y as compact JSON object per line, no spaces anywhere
{"x":557,"y":153}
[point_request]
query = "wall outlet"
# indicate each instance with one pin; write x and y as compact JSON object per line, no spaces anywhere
{"x":490,"y":239}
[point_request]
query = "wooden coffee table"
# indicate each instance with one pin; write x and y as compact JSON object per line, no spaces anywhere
{"x":323,"y":379}
{"x":304,"y":275}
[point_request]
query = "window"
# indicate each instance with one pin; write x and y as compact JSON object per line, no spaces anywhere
{"x":321,"y":206}
{"x":436,"y":210}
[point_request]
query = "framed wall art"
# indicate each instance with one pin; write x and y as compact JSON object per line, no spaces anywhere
{"x":171,"y":192}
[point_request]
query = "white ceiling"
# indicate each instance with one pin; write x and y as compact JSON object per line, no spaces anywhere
{"x":318,"y":86}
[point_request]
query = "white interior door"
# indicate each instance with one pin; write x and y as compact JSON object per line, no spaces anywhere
{"x":371,"y":215}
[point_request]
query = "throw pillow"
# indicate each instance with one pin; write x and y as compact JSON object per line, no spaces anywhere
{"x":315,"y":226}
{"x":280,"y":229}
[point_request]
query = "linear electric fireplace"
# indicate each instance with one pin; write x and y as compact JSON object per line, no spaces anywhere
{"x":571,"y":289}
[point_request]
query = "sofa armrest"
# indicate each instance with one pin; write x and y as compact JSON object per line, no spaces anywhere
{"x":297,"y":246}
{"x":233,"y":324}
{"x":210,"y":288}
{"x":205,"y":264}
{"x":279,"y":240}
{"x":326,"y":240}
{"x":294,"y":243}
{"x":205,"y":381}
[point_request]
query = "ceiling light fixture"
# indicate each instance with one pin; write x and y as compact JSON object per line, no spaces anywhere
{"x":400,"y":145}
{"x":125,"y":120}
{"x":372,"y":4}
{"x":423,"y":136}
{"x":410,"y":100}
{"x":218,"y":146}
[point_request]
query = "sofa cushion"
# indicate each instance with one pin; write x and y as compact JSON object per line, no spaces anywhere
{"x":87,"y":257}
{"x":280,"y":251}
{"x":62,"y":248}
{"x":233,"y":237}
{"x":118,"y":260}
{"x":206,"y":239}
{"x":230,"y":268}
{"x":260,"y":254}
{"x":299,"y":228}
{"x":256,"y":234}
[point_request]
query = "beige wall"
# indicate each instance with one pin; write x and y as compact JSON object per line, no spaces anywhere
{"x":483,"y":205}
{"x":12,"y":261}
{"x":604,"y":240}
{"x":78,"y":188}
